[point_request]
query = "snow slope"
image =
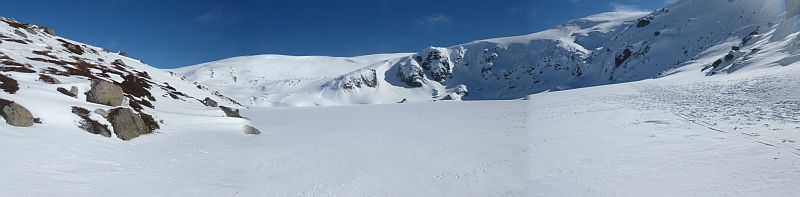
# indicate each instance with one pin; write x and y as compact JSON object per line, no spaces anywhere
{"x":37,"y":64}
{"x":714,"y":36}
{"x":257,"y":80}
{"x":724,"y":135}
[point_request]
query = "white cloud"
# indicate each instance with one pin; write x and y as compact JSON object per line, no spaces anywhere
{"x":619,"y":7}
{"x":434,"y":21}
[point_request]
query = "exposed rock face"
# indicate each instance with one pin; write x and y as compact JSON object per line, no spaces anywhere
{"x":15,"y":114}
{"x":105,"y":93}
{"x":437,"y":61}
{"x":210,"y":102}
{"x":250,"y":130}
{"x":411,"y":73}
{"x":127,"y":124}
{"x":230,"y":112}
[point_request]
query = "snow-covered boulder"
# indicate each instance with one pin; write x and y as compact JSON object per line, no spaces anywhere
{"x":250,"y":130}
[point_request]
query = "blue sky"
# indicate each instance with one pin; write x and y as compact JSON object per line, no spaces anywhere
{"x":177,"y":33}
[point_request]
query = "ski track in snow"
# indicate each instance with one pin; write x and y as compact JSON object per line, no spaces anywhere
{"x":765,"y":110}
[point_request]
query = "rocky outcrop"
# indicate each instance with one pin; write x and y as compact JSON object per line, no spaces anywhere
{"x":15,"y":114}
{"x":210,"y":102}
{"x":230,"y":112}
{"x":105,"y":93}
{"x":127,"y":124}
{"x":250,"y":130}
{"x":411,"y":73}
{"x":48,"y":30}
{"x":437,"y":61}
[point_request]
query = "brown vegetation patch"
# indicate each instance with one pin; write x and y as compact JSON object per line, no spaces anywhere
{"x":87,"y":124}
{"x":16,"y":40}
{"x":74,"y":48}
{"x":136,"y":87}
{"x":8,"y":84}
{"x":10,"y":65}
{"x":56,"y":62}
{"x":45,"y":53}
{"x":15,"y":24}
{"x":150,"y":122}
{"x":48,"y":79}
{"x":4,"y":102}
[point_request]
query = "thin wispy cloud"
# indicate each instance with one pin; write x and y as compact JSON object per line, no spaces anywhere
{"x":433,"y":21}
{"x":620,"y":7}
{"x":219,"y":16}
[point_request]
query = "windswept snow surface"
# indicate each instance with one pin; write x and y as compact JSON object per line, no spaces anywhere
{"x":726,"y":135}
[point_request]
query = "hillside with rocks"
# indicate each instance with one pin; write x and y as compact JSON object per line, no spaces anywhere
{"x":53,"y":83}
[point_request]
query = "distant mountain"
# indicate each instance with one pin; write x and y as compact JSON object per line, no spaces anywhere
{"x":52,"y":83}
{"x":704,"y":37}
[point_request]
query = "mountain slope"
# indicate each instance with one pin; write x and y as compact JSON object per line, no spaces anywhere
{"x":69,"y":87}
{"x":706,"y":37}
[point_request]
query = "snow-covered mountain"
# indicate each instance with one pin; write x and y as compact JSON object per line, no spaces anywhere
{"x":50,"y":83}
{"x":707,"y":37}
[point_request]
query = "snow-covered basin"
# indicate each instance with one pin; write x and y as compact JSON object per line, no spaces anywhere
{"x":662,"y":137}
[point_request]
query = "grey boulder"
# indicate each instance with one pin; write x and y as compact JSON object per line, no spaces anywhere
{"x":250,"y":130}
{"x":16,"y":115}
{"x":105,"y":93}
{"x":127,"y":124}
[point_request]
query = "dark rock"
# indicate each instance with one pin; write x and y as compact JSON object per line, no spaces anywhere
{"x":20,"y":33}
{"x":250,"y":130}
{"x":15,"y":114}
{"x":230,"y":112}
{"x":105,"y":93}
{"x":209,"y":102}
{"x":717,"y":63}
{"x":123,"y":53}
{"x":643,"y":23}
{"x":621,"y":58}
{"x":127,"y":124}
{"x":729,"y":57}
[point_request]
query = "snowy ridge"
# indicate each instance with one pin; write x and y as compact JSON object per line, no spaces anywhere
{"x":50,"y":76}
{"x":606,"y":48}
